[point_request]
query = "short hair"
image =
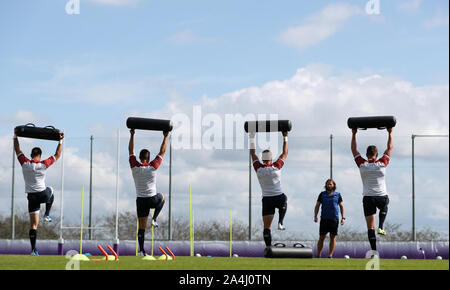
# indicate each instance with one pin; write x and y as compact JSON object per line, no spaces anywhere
{"x":334,"y":183}
{"x":35,"y":152}
{"x":144,"y":155}
{"x":372,"y":150}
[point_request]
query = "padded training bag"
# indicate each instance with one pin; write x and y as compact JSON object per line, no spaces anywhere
{"x":149,"y":124}
{"x":379,"y":122}
{"x":31,"y":131}
{"x":268,"y":126}
{"x":280,"y":250}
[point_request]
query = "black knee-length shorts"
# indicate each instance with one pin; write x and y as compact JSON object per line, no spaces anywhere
{"x":328,"y":226}
{"x":36,"y":198}
{"x":144,"y":204}
{"x":371,"y":203}
{"x":270,"y":203}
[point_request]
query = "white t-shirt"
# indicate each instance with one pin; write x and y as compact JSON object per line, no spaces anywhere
{"x":34,"y":173}
{"x":144,"y":176}
{"x":373,"y":175}
{"x":269,"y":176}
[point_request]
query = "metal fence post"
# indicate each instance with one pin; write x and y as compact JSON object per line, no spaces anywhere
{"x":170,"y":189}
{"x":249,"y":196}
{"x":331,"y":156}
{"x":13,"y":214}
{"x":90,"y":189}
{"x":413,"y":137}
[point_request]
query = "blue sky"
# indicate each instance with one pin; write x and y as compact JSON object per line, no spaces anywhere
{"x":204,"y":47}
{"x":85,"y":73}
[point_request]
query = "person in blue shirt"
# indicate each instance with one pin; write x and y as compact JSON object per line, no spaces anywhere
{"x":331,"y":202}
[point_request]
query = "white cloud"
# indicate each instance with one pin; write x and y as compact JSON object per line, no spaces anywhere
{"x":318,"y":103}
{"x":319,"y":26}
{"x":438,"y":211}
{"x":22,"y":117}
{"x":309,"y":96}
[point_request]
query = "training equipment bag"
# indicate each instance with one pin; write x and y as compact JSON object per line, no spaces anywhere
{"x":280,"y":250}
{"x":149,"y":124}
{"x":268,"y":126}
{"x":379,"y":122}
{"x":31,"y":131}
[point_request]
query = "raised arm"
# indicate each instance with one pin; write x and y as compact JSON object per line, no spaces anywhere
{"x":353,"y":145}
{"x":131,"y":143}
{"x":390,"y":143}
{"x":251,"y":137}
{"x":285,"y":146}
{"x":16,"y":144}
{"x":59,"y":147}
{"x":162,"y":150}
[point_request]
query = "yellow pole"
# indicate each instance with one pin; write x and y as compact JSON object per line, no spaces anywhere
{"x":152,"y":235}
{"x":193,"y":232}
{"x":81,"y":231}
{"x":137,"y":230}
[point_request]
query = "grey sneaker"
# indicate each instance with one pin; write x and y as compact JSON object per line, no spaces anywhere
{"x":142,"y":254}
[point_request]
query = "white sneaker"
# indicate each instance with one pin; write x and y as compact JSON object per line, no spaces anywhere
{"x":142,"y":254}
{"x":48,"y":219}
{"x":154,"y":224}
{"x":281,"y":227}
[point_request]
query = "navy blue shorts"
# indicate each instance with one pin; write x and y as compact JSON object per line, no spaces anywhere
{"x":144,"y":204}
{"x":328,"y":226}
{"x":270,"y":203}
{"x":371,"y":203}
{"x":36,"y":198}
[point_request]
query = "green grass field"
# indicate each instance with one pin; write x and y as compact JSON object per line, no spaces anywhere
{"x":23,"y":262}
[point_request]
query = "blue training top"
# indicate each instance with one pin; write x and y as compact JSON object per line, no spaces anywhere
{"x":330,"y":205}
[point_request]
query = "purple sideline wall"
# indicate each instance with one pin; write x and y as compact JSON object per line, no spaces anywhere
{"x":388,"y":250}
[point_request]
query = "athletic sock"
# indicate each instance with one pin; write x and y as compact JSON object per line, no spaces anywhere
{"x":48,"y":205}
{"x":372,"y":239}
{"x":33,"y":236}
{"x":141,"y":238}
{"x":158,"y":210}
{"x":282,"y":213}
{"x":267,"y":237}
{"x":382,"y":218}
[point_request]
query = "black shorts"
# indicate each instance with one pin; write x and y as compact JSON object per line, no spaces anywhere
{"x":270,"y":203}
{"x":371,"y":203}
{"x":36,"y":198}
{"x":328,"y":226}
{"x":144,"y":204}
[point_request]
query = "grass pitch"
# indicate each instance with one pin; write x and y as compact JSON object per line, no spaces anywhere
{"x":23,"y":262}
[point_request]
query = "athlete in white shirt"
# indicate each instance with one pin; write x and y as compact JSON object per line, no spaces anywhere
{"x":144,"y":175}
{"x":269,"y":177}
{"x":34,"y":172}
{"x":373,"y":175}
